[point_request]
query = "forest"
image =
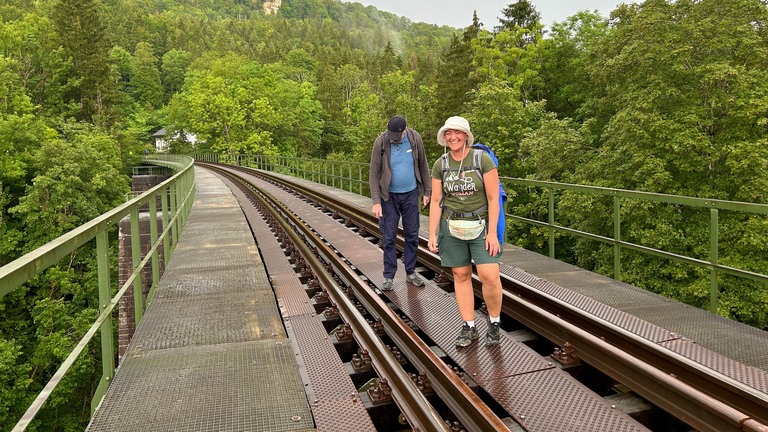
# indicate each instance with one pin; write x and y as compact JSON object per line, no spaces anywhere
{"x":661,"y":96}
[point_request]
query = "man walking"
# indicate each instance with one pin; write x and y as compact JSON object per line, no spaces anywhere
{"x":399,"y":175}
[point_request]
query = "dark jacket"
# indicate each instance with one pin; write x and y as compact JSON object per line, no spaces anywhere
{"x":380,"y":174}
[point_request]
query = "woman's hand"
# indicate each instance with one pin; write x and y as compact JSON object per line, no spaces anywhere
{"x":492,"y":243}
{"x":432,"y":243}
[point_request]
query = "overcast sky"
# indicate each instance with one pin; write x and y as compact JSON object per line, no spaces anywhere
{"x":458,"y":13}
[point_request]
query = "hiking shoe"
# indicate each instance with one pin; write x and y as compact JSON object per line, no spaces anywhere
{"x":467,"y":335}
{"x":387,"y":285}
{"x":414,"y":280}
{"x":493,"y":335}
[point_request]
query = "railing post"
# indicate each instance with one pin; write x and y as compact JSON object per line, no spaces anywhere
{"x":138,"y":296}
{"x":152,"y":240}
{"x":174,"y":207}
{"x":165,"y":196}
{"x":551,"y":219}
{"x":617,"y":238}
{"x":107,"y":339}
{"x":714,"y":291}
{"x":359,"y":179}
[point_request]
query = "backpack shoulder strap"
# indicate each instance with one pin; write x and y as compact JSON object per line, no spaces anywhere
{"x":444,"y":164}
{"x":477,"y":161}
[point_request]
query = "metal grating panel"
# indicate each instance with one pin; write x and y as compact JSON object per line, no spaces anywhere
{"x":211,"y":258}
{"x":342,"y":415}
{"x":485,"y":364}
{"x":436,"y":314}
{"x":606,"y":290}
{"x":291,"y":295}
{"x":552,"y":401}
{"x":608,"y":313}
{"x":534,"y":263}
{"x":278,"y":264}
{"x":517,"y":274}
{"x":215,"y":319}
{"x":330,"y":391}
{"x":753,"y":377}
{"x":738,"y":341}
{"x":326,"y":378}
{"x":196,"y":283}
{"x":235,"y":387}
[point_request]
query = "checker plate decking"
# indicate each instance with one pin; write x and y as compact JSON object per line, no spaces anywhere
{"x":233,"y":387}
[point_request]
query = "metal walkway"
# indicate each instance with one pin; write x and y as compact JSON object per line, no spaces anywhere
{"x":211,"y":354}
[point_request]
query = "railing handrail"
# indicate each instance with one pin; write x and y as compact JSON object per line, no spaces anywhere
{"x":178,"y":192}
{"x":646,"y":196}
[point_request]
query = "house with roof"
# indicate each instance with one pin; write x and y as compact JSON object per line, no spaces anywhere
{"x":163,"y":140}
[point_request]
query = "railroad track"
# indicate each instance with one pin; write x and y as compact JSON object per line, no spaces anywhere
{"x":698,"y":397}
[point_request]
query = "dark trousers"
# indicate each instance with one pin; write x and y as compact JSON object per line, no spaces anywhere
{"x":405,"y":206}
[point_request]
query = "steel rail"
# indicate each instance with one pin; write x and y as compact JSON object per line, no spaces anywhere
{"x":736,"y":404}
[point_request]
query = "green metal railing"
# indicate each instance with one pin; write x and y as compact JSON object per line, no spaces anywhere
{"x":618,"y":196}
{"x":176,"y":196}
{"x":349,"y":176}
{"x":353,"y":177}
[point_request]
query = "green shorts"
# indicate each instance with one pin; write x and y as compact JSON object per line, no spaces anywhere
{"x":460,"y":253}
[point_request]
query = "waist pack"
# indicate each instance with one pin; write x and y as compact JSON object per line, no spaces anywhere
{"x":466,"y":229}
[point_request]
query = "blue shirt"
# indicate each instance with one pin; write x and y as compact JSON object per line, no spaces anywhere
{"x":401,"y":164}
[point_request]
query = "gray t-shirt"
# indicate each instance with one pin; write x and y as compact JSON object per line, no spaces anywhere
{"x":463,"y":190}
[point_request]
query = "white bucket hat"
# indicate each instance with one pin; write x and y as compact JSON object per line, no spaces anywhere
{"x":455,"y":123}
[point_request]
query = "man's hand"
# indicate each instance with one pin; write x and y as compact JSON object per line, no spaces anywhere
{"x":376,"y":210}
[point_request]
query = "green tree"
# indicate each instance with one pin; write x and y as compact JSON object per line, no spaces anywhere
{"x":501,"y":120}
{"x":298,"y":65}
{"x":684,"y":95}
{"x":368,"y":121}
{"x":308,"y":123}
{"x":388,"y":61}
{"x":457,"y":80}
{"x":174,"y":69}
{"x":83,"y":36}
{"x":79,"y":176}
{"x":521,"y":15}
{"x":29,"y":41}
{"x":122,"y":61}
{"x":399,"y":95}
{"x":210,"y":108}
{"x":21,"y":134}
{"x":680,"y":110}
{"x":145,"y":77}
{"x":566,"y":56}
{"x":13,"y":379}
